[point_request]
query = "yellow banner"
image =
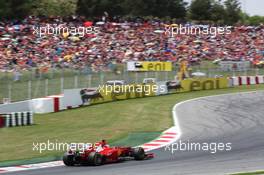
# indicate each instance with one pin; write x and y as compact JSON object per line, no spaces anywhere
{"x":204,"y":84}
{"x":122,"y":92}
{"x":156,"y":66}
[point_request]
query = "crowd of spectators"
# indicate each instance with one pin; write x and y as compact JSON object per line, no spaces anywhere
{"x":117,"y":42}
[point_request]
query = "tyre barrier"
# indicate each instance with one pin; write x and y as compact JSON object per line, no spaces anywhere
{"x":16,"y":119}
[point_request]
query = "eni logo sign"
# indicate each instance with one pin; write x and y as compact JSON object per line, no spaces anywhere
{"x":205,"y":84}
{"x":156,"y":66}
{"x":149,"y":66}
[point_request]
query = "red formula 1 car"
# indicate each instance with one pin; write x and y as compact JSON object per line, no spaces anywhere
{"x":104,"y":154}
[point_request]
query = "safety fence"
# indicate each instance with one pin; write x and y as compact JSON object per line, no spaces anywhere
{"x":72,"y":98}
{"x":30,"y":85}
{"x":76,"y":97}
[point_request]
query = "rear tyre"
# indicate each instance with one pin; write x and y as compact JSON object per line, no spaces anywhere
{"x":68,"y":160}
{"x":139,"y":153}
{"x":95,"y":159}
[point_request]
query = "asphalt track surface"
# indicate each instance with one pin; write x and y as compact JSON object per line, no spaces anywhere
{"x":237,"y":118}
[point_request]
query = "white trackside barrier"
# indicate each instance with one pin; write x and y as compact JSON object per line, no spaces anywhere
{"x":48,"y":104}
{"x":247,"y":80}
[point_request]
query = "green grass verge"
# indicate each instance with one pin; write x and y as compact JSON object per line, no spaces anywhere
{"x":250,"y":173}
{"x":136,"y":138}
{"x":112,"y":121}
